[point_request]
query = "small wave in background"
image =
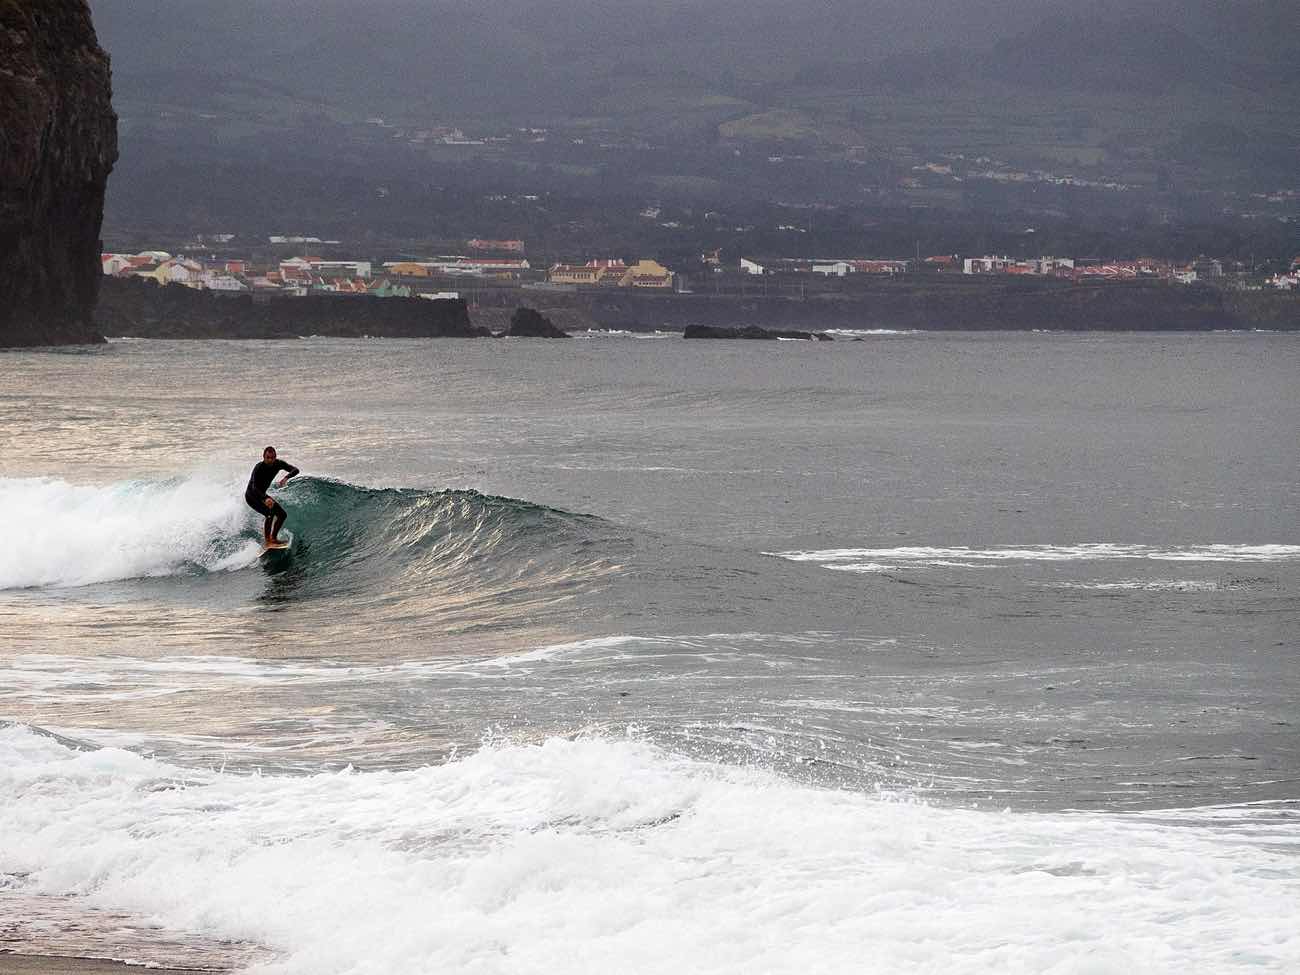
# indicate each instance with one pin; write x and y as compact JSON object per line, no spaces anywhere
{"x":882,"y":559}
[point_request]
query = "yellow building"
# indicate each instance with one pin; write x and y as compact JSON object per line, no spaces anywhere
{"x":407,"y":269}
{"x":646,"y":274}
{"x":573,"y":274}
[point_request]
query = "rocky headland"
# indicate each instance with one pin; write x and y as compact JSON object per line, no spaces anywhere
{"x":141,"y":309}
{"x":58,"y":143}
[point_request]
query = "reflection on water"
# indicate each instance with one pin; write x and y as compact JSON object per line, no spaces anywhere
{"x":972,"y":484}
{"x":285,"y":571}
{"x":527,"y":655}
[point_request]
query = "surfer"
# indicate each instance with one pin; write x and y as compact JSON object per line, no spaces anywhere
{"x":255,"y":494}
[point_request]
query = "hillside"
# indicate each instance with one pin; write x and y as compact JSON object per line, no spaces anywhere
{"x":1190,"y":108}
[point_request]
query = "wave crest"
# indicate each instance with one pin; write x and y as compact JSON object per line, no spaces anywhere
{"x":60,"y":535}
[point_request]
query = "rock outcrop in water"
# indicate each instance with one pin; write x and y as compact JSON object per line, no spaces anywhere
{"x":58,"y":143}
{"x":963,"y":303}
{"x":530,"y":323}
{"x":142,"y":309}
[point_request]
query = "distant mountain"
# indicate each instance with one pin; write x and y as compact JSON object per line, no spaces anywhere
{"x":709,"y":102}
{"x":1112,"y":54}
{"x":515,"y":55}
{"x":1094,"y":54}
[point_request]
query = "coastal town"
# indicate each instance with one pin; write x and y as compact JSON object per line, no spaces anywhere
{"x":502,"y":264}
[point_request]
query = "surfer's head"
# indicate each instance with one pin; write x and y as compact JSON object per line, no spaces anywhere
{"x":268,"y":454}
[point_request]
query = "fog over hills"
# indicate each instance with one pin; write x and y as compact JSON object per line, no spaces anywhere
{"x":1182,"y":99}
{"x":512,"y":56}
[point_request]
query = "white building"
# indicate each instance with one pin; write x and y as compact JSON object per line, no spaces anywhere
{"x":751,"y":267}
{"x":220,"y":281}
{"x":1046,"y":265}
{"x":986,"y":265}
{"x":836,"y":269}
{"x":357,"y":269}
{"x":181,"y":270}
{"x":115,"y":263}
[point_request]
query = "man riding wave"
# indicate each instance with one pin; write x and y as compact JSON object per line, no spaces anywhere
{"x":256,"y":496}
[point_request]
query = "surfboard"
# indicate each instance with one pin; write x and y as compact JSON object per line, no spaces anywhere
{"x":286,"y":539}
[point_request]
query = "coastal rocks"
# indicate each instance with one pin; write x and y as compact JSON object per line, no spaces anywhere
{"x":58,"y":143}
{"x":964,"y":303}
{"x":142,"y":309}
{"x":751,"y":332}
{"x":530,"y":323}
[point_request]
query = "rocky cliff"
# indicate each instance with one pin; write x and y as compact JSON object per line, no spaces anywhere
{"x":58,"y":142}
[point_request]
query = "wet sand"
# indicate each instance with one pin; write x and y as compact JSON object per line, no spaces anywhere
{"x":11,"y":964}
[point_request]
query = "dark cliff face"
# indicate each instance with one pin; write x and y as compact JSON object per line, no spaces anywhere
{"x":58,"y":142}
{"x":141,"y":309}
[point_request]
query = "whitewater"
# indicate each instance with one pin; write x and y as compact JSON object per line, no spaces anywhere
{"x":915,"y":654}
{"x":594,"y":855}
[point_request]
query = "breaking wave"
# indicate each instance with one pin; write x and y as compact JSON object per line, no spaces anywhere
{"x":610,"y":854}
{"x":365,"y":541}
{"x":61,"y":534}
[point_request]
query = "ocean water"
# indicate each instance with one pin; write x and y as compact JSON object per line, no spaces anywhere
{"x":920,"y":653}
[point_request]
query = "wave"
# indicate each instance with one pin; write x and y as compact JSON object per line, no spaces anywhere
{"x":1167,"y":585}
{"x":885,"y":559}
{"x":621,"y":333}
{"x":61,"y":534}
{"x":863,"y":332}
{"x":457,"y":544}
{"x":609,"y":854}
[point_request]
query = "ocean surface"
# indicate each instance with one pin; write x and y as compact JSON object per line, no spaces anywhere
{"x":919,"y":653}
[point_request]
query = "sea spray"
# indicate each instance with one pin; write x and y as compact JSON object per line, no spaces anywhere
{"x":61,"y":534}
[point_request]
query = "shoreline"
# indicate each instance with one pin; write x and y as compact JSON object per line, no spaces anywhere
{"x":12,"y":963}
{"x":141,"y":310}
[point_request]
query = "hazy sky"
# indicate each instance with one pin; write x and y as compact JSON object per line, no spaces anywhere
{"x":484,"y":54}
{"x":141,"y":32}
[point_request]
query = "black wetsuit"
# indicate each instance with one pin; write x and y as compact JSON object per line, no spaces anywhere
{"x":261,"y":478}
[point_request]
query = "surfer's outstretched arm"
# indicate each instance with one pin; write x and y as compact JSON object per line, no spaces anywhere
{"x":289,"y":471}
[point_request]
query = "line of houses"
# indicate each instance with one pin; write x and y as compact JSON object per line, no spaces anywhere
{"x":1081,"y":269}
{"x":828,"y":267}
{"x":1074,"y":269}
{"x":297,"y":277}
{"x":301,"y":276}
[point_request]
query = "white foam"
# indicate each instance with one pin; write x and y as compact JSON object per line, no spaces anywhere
{"x":857,"y":332}
{"x":1150,"y":585}
{"x":603,"y":855}
{"x":881,"y":559}
{"x":61,"y":534}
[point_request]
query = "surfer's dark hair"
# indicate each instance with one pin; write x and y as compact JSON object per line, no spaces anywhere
{"x":265,"y":449}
